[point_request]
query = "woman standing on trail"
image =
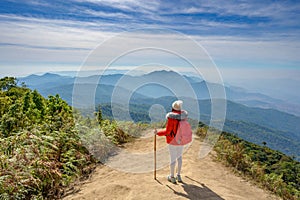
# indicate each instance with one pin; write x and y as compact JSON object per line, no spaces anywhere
{"x":170,"y":131}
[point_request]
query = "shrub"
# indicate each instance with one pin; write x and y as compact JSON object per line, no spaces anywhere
{"x":272,"y":169}
{"x":113,"y":132}
{"x":36,"y":164}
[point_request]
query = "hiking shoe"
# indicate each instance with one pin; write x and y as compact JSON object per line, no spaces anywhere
{"x":172,"y":179}
{"x":179,"y":179}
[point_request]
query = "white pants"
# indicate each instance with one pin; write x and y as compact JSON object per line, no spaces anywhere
{"x":175,"y":155}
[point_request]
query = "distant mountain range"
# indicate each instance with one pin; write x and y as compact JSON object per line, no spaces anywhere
{"x":253,"y":116}
{"x":53,"y":83}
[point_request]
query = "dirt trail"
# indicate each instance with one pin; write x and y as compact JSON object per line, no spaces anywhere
{"x":203,"y":178}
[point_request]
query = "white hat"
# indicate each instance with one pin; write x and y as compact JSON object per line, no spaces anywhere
{"x":176,"y":105}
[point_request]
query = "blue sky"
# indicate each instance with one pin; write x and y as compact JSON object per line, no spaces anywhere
{"x":246,"y":39}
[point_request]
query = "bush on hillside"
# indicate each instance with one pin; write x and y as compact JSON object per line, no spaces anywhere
{"x":272,"y":169}
{"x":40,"y":153}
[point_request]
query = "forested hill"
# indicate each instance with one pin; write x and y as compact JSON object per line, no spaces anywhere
{"x":41,"y":153}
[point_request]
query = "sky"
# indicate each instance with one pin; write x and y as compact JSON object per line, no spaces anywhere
{"x":247,"y":40}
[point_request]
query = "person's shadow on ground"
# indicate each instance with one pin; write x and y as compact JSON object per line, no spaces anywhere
{"x":196,"y":192}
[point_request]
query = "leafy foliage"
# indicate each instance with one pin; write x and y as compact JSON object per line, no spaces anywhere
{"x":38,"y":164}
{"x":40,"y":152}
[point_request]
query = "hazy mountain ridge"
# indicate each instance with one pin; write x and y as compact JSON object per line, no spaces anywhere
{"x":103,"y":94}
{"x":282,"y":88}
{"x":278,"y":129}
{"x":49,"y":81}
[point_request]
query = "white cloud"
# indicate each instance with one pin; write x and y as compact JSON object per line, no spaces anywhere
{"x":279,"y":13}
{"x":105,"y":14}
{"x":251,"y":49}
{"x":250,"y":9}
{"x":127,"y":5}
{"x":30,"y":40}
{"x":49,"y":33}
{"x":42,"y":41}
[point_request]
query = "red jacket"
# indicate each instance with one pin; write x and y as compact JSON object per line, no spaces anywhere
{"x":172,"y":124}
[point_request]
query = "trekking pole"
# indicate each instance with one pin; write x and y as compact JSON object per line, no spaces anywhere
{"x":155,"y":156}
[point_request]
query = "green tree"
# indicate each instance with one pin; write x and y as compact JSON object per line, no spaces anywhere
{"x":99,"y":115}
{"x":13,"y":120}
{"x":37,"y":100}
{"x":264,"y":143}
{"x":59,"y":114}
{"x":26,"y":102}
{"x":5,"y":103}
{"x":7,"y":83}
